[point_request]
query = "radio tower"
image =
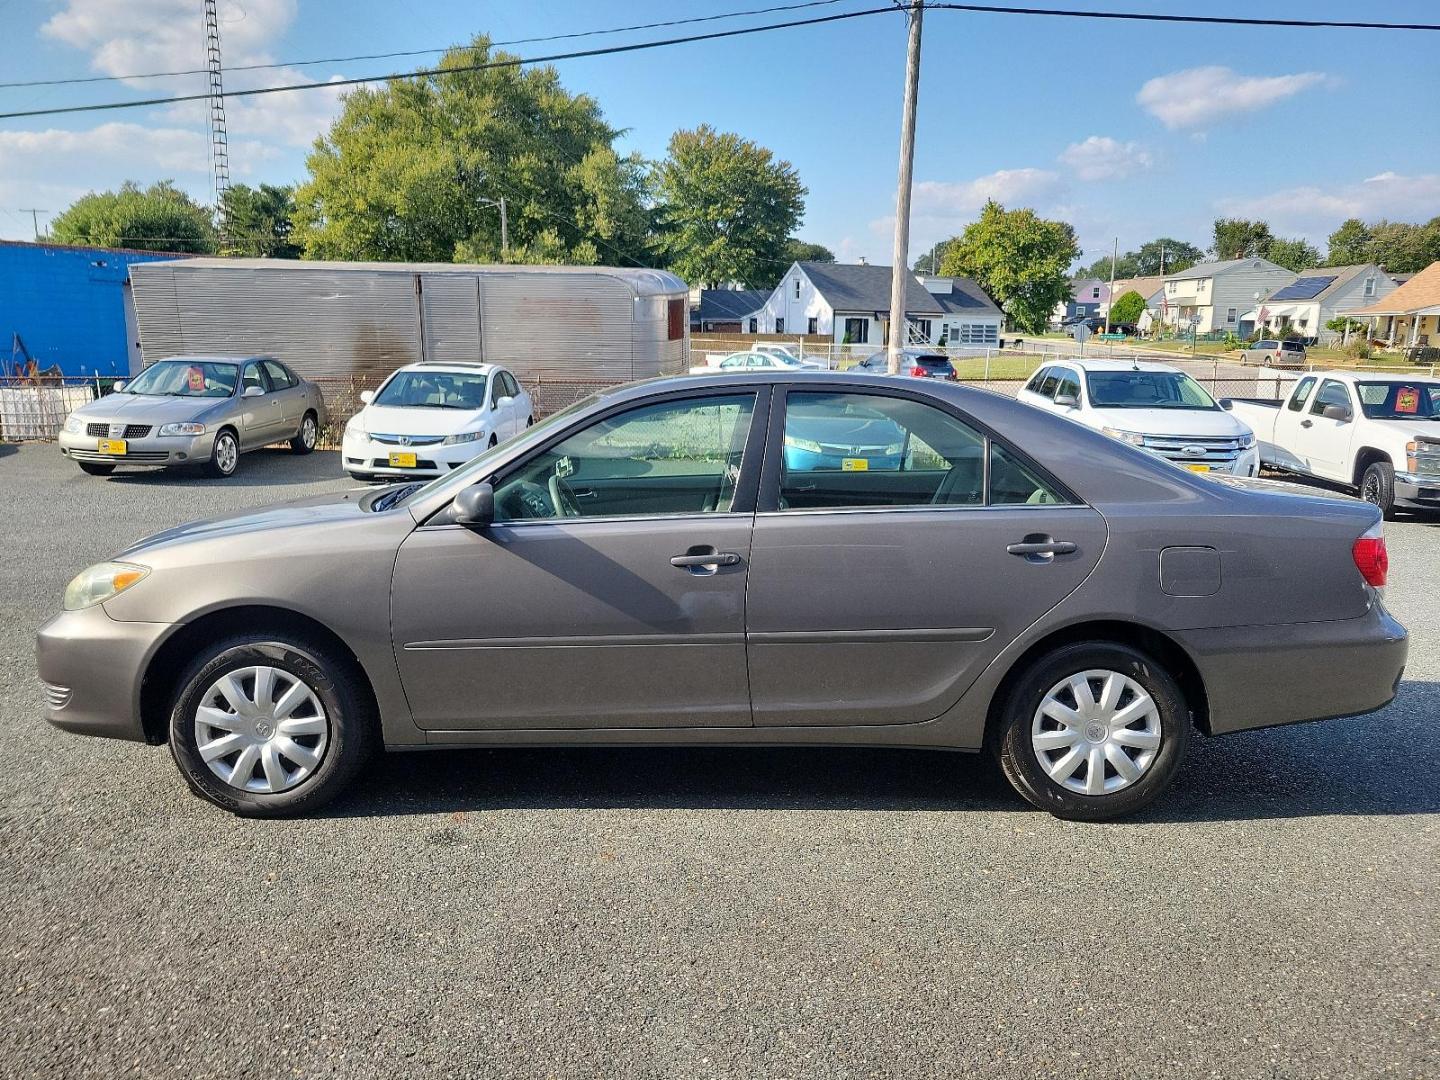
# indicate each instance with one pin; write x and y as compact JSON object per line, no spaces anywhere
{"x":219,"y":143}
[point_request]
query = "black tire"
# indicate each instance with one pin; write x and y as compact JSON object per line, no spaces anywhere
{"x":530,"y":422}
{"x":95,"y":468}
{"x":1017,"y":755}
{"x":1378,"y":486}
{"x":364,"y":478}
{"x":308,"y":435}
{"x":351,"y":739}
{"x":222,"y":464}
{"x":494,"y":442}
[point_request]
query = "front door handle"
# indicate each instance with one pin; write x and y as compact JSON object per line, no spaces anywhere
{"x":1307,"y":423}
{"x":1039,"y":548}
{"x":703,"y":561}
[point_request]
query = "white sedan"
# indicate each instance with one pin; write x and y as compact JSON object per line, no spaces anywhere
{"x":758,"y":361}
{"x":429,"y":418}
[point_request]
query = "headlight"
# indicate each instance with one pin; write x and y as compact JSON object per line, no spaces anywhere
{"x":1247,"y":442}
{"x":182,"y":429}
{"x":808,"y":445}
{"x":353,"y":430}
{"x":100,"y":582}
{"x":74,"y":424}
{"x":464,"y":436}
{"x":1422,"y":456}
{"x":1133,"y":438}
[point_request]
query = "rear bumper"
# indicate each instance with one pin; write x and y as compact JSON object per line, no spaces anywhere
{"x":92,"y":667}
{"x":1262,"y":676}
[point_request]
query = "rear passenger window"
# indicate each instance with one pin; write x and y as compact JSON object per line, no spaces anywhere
{"x":1302,"y":390}
{"x":850,"y":450}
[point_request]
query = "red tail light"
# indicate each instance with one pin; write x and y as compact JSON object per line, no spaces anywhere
{"x":1371,"y":558}
{"x":919,"y":372}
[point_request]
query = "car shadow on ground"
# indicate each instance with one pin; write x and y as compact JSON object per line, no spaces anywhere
{"x":1362,"y":766}
{"x":271,"y":466}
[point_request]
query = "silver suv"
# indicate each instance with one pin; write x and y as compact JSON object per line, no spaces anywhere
{"x":1275,"y":353}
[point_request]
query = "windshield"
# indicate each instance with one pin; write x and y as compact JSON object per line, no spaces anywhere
{"x":433,"y":390}
{"x":1146,"y":390}
{"x":185,"y":378}
{"x":1399,"y":401}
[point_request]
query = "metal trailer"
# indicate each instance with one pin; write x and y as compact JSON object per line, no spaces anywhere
{"x":360,"y":321}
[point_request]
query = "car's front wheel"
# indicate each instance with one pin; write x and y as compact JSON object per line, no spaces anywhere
{"x":270,"y":726}
{"x":1378,"y":486}
{"x":225,"y":455}
{"x":1093,"y":731}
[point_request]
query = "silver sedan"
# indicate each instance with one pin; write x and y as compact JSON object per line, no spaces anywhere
{"x":195,"y":410}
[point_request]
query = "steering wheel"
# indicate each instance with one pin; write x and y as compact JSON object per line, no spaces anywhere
{"x":562,"y":497}
{"x":528,"y":501}
{"x":951,"y":481}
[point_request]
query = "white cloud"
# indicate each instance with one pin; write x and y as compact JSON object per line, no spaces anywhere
{"x":1102,"y":158}
{"x":1316,"y":211}
{"x":1200,"y":96}
{"x":1011,"y":187}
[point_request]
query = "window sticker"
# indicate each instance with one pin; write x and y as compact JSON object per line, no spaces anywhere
{"x":1407,"y":400}
{"x":855,"y":464}
{"x":195,"y":377}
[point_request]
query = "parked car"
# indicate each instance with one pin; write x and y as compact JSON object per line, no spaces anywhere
{"x":789,"y":357}
{"x":1378,"y":435}
{"x":1153,"y":406}
{"x":649,"y":566}
{"x":913,"y":362}
{"x":755,"y":360}
{"x":429,"y":418}
{"x":195,"y":410}
{"x":1276,"y":353}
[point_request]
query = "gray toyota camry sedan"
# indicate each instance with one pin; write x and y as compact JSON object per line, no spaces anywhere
{"x":195,"y":410}
{"x":679,"y":561}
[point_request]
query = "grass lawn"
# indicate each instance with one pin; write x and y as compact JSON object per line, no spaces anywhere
{"x":1001,"y":367}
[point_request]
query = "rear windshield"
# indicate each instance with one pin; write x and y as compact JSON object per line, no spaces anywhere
{"x":932,"y":363}
{"x":1292,"y":346}
{"x":1146,"y":390}
{"x":1399,"y":401}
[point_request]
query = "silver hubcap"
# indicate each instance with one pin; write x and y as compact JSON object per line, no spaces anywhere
{"x":261,"y":729}
{"x":307,"y":432}
{"x":226,"y":453}
{"x":1096,"y":732}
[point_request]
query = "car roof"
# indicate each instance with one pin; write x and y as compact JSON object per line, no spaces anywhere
{"x":1378,"y":376}
{"x":1110,"y":365}
{"x":199,"y":358}
{"x":454,"y":366}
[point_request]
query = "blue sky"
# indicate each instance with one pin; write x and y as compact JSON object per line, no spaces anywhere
{"x":1128,"y":130}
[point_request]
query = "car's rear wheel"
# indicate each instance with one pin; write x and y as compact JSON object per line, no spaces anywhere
{"x":270,"y":726}
{"x":1378,"y":486}
{"x":95,"y":468}
{"x":1093,"y":731}
{"x":225,"y":455}
{"x":308,"y":435}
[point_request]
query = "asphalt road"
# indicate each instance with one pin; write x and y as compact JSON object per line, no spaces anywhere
{"x":676,"y":913}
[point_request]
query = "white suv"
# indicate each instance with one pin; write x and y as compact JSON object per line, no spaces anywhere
{"x":1153,"y":406}
{"x":427,"y":419}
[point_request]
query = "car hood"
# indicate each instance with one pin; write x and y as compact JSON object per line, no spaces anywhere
{"x":1411,"y":429}
{"x":405,"y":420}
{"x":148,"y":409}
{"x":1178,"y":422}
{"x":319,"y":511}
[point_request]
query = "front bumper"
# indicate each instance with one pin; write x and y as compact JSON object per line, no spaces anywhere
{"x":1262,"y":676}
{"x":92,"y":667}
{"x":370,"y":458}
{"x":1417,"y":492}
{"x":151,"y":450}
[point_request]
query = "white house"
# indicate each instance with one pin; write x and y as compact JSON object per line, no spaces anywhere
{"x":1215,"y":294}
{"x":850,"y":304}
{"x":1319,"y":295}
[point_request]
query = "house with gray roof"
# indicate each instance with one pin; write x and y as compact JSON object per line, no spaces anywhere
{"x":850,"y":304}
{"x":1212,"y":296}
{"x":1318,"y":296}
{"x":727,"y":311}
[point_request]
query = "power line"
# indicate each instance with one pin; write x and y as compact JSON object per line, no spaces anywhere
{"x":422,"y":52}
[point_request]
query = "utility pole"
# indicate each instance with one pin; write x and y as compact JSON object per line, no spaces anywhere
{"x":34,"y":219}
{"x":504,"y":231}
{"x":1111,"y":302}
{"x":900,"y":258}
{"x":219,"y":141}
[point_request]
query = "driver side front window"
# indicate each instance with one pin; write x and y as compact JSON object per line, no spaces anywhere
{"x":676,"y":457}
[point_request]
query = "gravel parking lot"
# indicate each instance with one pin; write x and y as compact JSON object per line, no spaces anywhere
{"x":709,"y":913}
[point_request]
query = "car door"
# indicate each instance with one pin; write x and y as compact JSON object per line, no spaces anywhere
{"x":519,"y":406}
{"x":1325,"y":443}
{"x":289,"y":395}
{"x":626,"y":610}
{"x":501,"y":417}
{"x":1288,"y":451}
{"x":880,"y":588}
{"x":260,"y":416}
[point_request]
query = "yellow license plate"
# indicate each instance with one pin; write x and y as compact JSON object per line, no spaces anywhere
{"x":854,"y":464}
{"x":113,"y":447}
{"x":1198,"y":468}
{"x":402,"y":461}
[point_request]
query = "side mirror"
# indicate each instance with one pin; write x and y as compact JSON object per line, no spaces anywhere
{"x":1227,"y":403}
{"x":502,"y":402}
{"x":1338,"y":412}
{"x":253,"y":391}
{"x":1066,"y":401}
{"x":117,"y":386}
{"x":367,"y":396}
{"x":474,"y":507}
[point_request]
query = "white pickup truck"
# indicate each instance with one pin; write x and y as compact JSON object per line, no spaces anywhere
{"x":1378,"y":435}
{"x":1156,"y":407}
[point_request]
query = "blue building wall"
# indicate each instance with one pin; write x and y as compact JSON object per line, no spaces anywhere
{"x":68,"y":306}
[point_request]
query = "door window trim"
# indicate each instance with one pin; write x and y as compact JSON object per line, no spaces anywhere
{"x":768,"y":496}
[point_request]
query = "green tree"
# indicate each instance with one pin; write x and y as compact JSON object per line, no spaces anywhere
{"x":727,"y":208}
{"x":1177,"y":255}
{"x":413,"y":170}
{"x":1239,"y":238}
{"x":930,"y":261}
{"x":158,"y":218}
{"x":259,"y":221}
{"x":1019,"y":258}
{"x":1404,"y":248}
{"x":1293,"y":254}
{"x":802,"y":251}
{"x":1349,"y":244}
{"x":1127,"y":308}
